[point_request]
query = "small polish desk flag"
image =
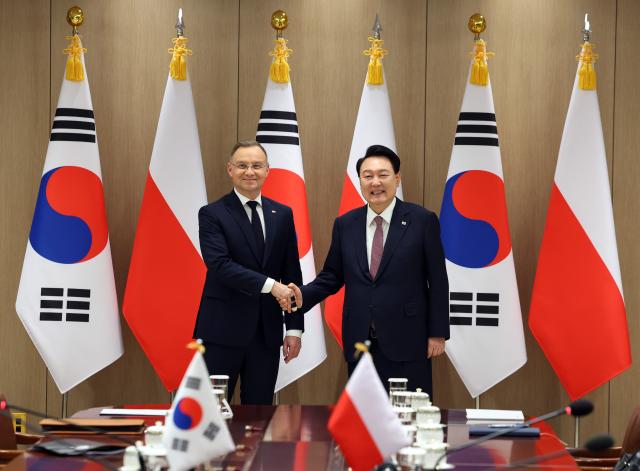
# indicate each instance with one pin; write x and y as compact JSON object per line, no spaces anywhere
{"x":487,"y":339}
{"x":167,"y":272}
{"x":67,"y":296}
{"x":374,"y":125}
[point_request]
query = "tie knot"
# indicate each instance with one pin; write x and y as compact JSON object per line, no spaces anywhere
{"x":378,"y":220}
{"x":252,"y":204}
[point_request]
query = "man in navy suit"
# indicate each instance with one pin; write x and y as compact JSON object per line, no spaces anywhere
{"x":389,"y":257}
{"x":249,"y":245}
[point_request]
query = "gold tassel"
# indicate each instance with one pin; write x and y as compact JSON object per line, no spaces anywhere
{"x":178,"y":65}
{"x":279,"y":69}
{"x":196,"y":345}
{"x":587,"y":73}
{"x":74,"y":69}
{"x":480,"y":68}
{"x":375,"y":74}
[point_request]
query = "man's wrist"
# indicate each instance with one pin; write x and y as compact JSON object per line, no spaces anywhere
{"x":293,"y":333}
{"x":268,"y":286}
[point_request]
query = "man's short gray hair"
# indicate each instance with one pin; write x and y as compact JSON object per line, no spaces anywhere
{"x":243,"y":144}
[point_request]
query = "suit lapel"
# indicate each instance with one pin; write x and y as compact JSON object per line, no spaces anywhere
{"x":399,"y":223}
{"x":239,"y":214}
{"x":270,"y":227}
{"x":359,"y":237}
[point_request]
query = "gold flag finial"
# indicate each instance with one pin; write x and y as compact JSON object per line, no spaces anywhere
{"x":179,"y":51}
{"x":375,"y":75}
{"x":587,"y":73}
{"x":361,"y":347}
{"x":74,"y":50}
{"x":196,"y":345}
{"x":279,"y":69}
{"x":479,"y":69}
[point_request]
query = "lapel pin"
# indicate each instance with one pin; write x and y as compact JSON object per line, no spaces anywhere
{"x":404,"y":223}
{"x":273,"y":211}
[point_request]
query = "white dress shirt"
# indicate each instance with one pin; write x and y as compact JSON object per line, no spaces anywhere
{"x":371,"y":226}
{"x":268,"y":285}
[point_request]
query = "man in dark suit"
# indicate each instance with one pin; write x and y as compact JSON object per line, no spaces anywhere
{"x":388,"y":255}
{"x":249,"y":245}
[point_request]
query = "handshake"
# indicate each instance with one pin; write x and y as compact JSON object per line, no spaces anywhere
{"x":289,"y":297}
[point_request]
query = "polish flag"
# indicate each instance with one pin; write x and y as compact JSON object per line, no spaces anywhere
{"x":363,"y":423}
{"x":278,"y":133}
{"x":374,"y":125}
{"x":577,"y":308}
{"x":167,"y":272}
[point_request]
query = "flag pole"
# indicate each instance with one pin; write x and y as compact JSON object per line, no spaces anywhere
{"x":65,"y":405}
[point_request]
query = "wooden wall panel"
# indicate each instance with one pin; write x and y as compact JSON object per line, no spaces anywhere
{"x":532,"y":72}
{"x":328,"y":72}
{"x":625,"y":393}
{"x":24,"y":120}
{"x":127,"y":65}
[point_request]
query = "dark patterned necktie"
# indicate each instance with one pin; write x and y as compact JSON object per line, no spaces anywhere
{"x":376,"y":247}
{"x":257,"y":228}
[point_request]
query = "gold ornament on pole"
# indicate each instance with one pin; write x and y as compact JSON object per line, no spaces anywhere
{"x":74,"y":50}
{"x":375,"y":75}
{"x":587,"y":73}
{"x":279,"y":69}
{"x":179,"y":51}
{"x":479,"y":69}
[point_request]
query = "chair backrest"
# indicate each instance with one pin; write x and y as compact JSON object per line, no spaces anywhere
{"x":631,"y":441}
{"x":7,"y":434}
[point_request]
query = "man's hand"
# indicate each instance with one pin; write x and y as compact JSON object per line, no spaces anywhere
{"x":291,"y":347}
{"x":283,"y":295}
{"x":436,"y":347}
{"x":297,"y":293}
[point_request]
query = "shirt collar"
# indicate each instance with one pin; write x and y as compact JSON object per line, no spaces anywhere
{"x":386,"y":214}
{"x":243,"y":199}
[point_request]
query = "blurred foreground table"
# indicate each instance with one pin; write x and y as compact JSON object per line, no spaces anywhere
{"x":294,"y":437}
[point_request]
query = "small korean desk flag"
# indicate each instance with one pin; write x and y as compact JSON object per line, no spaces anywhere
{"x":487,"y":339}
{"x":278,"y":133}
{"x":195,"y":430}
{"x":67,"y":296}
{"x":578,"y":314}
{"x":363,"y":423}
{"x":167,"y":272}
{"x":374,"y":125}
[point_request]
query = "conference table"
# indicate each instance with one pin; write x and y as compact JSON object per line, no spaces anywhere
{"x":295,"y":437}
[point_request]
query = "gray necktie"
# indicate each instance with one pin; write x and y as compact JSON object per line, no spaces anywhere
{"x":376,"y":247}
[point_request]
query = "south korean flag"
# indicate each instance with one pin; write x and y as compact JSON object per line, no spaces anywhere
{"x":195,"y":430}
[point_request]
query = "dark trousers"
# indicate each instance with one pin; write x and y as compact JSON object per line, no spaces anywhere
{"x":256,"y":365}
{"x":418,"y":372}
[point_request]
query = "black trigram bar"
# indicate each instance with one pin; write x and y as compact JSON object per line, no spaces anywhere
{"x":477,"y":128}
{"x":75,"y":112}
{"x":211,"y":431}
{"x":288,"y":115}
{"x":459,"y":296}
{"x":193,"y":383}
{"x":72,"y":137}
{"x":488,"y":297}
{"x":487,"y":321}
{"x":78,"y":293}
{"x":85,"y":125}
{"x":476,"y":141}
{"x":486,"y":309}
{"x":470,"y":116}
{"x":75,"y":317}
{"x":457,"y":320}
{"x":51,"y":316}
{"x":50,"y":304}
{"x":51,"y":291}
{"x":178,"y":444}
{"x":262,"y":139}
{"x":280,"y":127}
{"x":82,"y":305}
{"x":466,"y":308}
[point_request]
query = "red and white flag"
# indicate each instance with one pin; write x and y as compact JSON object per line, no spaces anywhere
{"x":167,"y":272}
{"x":374,"y":125}
{"x":577,"y":308}
{"x":278,"y":133}
{"x":363,"y":423}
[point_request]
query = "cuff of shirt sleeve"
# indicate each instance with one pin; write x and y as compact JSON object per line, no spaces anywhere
{"x":268,"y":286}
{"x":293,"y":333}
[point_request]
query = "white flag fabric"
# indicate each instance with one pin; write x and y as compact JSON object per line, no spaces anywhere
{"x":278,"y":133}
{"x":67,"y":296}
{"x":487,"y":339}
{"x":167,"y":272}
{"x":374,"y":125}
{"x":195,"y":430}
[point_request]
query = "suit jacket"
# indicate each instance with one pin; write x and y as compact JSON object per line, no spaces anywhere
{"x":407,"y":301}
{"x":232,"y":307}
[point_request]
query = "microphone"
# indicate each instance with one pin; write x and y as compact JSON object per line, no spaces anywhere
{"x":594,"y":444}
{"x":5,"y":410}
{"x":576,"y":408}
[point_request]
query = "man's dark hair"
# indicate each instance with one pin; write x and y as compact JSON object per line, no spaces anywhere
{"x":243,"y":144}
{"x":378,"y":150}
